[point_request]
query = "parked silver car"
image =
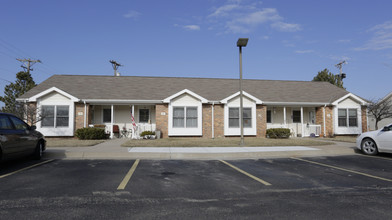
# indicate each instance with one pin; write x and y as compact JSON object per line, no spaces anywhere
{"x":373,"y":142}
{"x":19,"y":139}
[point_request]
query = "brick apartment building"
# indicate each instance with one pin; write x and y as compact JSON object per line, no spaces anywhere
{"x":196,"y":107}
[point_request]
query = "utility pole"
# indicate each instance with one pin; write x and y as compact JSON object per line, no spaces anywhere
{"x":341,"y":75}
{"x":28,"y":64}
{"x":115,"y":65}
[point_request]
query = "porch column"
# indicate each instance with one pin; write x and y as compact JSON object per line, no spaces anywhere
{"x":85,"y":115}
{"x":302,"y":122}
{"x":133,"y":121}
{"x":325,"y":133}
{"x":212,"y":121}
{"x":284,"y":117}
{"x":111,"y":122}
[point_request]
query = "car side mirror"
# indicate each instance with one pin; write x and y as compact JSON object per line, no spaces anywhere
{"x":33,"y":127}
{"x":386,"y":128}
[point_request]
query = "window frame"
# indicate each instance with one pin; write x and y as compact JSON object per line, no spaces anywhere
{"x":185,"y":117}
{"x":103,"y":115}
{"x":269,"y":117}
{"x":237,"y":117}
{"x":55,"y":117}
{"x":346,"y":120}
{"x":296,"y":117}
{"x":140,"y":115}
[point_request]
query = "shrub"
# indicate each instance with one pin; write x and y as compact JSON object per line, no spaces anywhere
{"x":90,"y":133}
{"x":144,"y":133}
{"x":278,"y":133}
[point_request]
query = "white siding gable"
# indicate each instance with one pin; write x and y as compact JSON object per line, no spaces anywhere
{"x":55,"y":98}
{"x":235,"y":102}
{"x":185,"y":100}
{"x":348,"y":103}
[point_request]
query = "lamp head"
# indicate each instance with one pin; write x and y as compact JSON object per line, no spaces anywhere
{"x":242,"y":42}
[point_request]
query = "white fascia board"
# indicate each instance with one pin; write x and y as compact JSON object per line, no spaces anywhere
{"x":53,"y":89}
{"x":356,"y":98}
{"x":185,"y":91}
{"x":120,"y":101}
{"x":256,"y":100}
{"x":22,"y":100}
{"x":296,"y":103}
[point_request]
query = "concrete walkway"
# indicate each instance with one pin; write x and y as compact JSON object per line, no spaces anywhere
{"x":112,"y":149}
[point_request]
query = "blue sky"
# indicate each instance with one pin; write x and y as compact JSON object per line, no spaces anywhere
{"x":288,"y":40}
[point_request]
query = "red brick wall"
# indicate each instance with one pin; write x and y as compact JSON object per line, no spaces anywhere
{"x":162,"y":119}
{"x":79,"y":119}
{"x":328,"y":120}
{"x":219,"y":121}
{"x":207,"y":121}
{"x":364,"y":119}
{"x":261,"y":120}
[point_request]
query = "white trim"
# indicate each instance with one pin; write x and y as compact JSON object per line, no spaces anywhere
{"x":296,"y":104}
{"x":302,"y":122}
{"x":185,"y":91}
{"x":121,"y":101}
{"x":256,"y":100}
{"x":53,"y":89}
{"x":356,"y":98}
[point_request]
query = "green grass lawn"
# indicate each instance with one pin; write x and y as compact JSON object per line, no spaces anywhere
{"x":70,"y":142}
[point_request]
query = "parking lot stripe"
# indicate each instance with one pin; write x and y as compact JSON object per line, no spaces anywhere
{"x":26,"y":168}
{"x":127,"y":177}
{"x":248,"y":174}
{"x":343,"y":169}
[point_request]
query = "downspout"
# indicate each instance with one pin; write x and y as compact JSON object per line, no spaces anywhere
{"x":111,"y":122}
{"x":85,"y":114}
{"x":324,"y":119}
{"x":212,"y":122}
{"x":302,"y":122}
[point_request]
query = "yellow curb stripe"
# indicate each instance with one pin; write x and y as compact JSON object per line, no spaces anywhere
{"x":128,"y":176}
{"x":26,"y":168}
{"x":343,"y":169}
{"x":248,"y":174}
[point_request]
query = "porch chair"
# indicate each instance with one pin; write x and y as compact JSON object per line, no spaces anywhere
{"x":116,"y":130}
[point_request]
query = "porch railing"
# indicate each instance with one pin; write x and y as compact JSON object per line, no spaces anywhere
{"x":296,"y":129}
{"x":312,"y":130}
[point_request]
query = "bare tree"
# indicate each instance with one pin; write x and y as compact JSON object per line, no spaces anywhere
{"x":380,"y":109}
{"x":29,"y":113}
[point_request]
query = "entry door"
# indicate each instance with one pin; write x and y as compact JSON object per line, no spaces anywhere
{"x":312,"y":119}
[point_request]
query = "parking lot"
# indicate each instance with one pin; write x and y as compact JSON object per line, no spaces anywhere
{"x":341,"y":187}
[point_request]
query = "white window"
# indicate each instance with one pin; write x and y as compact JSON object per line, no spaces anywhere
{"x":55,"y":116}
{"x":234,"y":117}
{"x":347,"y":117}
{"x":182,"y":120}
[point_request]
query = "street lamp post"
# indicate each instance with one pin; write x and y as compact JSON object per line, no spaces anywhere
{"x":242,"y":42}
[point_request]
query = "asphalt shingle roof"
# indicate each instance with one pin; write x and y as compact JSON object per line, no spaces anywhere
{"x":213,"y":89}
